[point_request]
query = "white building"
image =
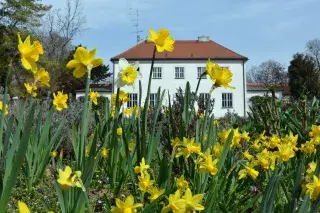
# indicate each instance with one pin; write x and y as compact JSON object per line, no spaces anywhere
{"x":188,"y":60}
{"x":261,"y":89}
{"x":104,"y":90}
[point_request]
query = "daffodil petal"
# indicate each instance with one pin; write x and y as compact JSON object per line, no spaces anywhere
{"x":123,"y":63}
{"x":79,"y":72}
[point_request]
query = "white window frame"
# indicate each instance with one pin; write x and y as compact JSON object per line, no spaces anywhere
{"x":152,"y":99}
{"x":201,"y":70}
{"x":157,"y":73}
{"x":227,"y":100}
{"x":204,"y":97}
{"x":133,"y":100}
{"x":179,"y":73}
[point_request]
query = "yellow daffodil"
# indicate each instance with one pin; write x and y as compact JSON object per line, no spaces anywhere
{"x":193,"y":202}
{"x":181,"y":183}
{"x":128,"y":112}
{"x":128,"y":73}
{"x":217,"y":149}
{"x":83,"y":61}
{"x":119,"y":131}
{"x":162,"y":40}
{"x":2,"y":108}
{"x":313,"y":188}
{"x":292,"y":140}
{"x":220,"y":76}
{"x":132,"y":145}
{"x":67,"y":178}
{"x":248,"y":170}
{"x":312,"y":168}
{"x":308,"y":147}
{"x":142,"y":168}
{"x":236,"y":138}
{"x":29,"y":53}
{"x":245,"y":136}
{"x":207,"y":165}
{"x":23,"y":208}
{"x":315,"y":130}
{"x":104,"y":152}
{"x":54,"y":153}
{"x":175,"y":142}
{"x":144,"y":182}
{"x":60,"y":101}
{"x":155,"y":192}
{"x":285,"y":152}
{"x":263,"y":159}
{"x":216,"y":122}
{"x":94,"y":97}
{"x":126,"y":207}
{"x":190,"y":147}
{"x":42,"y":78}
{"x":256,"y":145}
{"x":247,"y":155}
{"x":176,"y":203}
{"x":223,"y":135}
{"x":31,"y":89}
{"x":274,"y":141}
{"x":123,"y":97}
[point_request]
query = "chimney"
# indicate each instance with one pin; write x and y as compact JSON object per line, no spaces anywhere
{"x":203,"y":38}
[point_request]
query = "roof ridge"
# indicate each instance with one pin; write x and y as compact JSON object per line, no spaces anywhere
{"x":228,"y":49}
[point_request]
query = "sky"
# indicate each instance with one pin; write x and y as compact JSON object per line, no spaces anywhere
{"x":258,"y":29}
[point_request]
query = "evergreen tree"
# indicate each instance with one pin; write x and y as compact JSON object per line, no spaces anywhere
{"x":303,"y":77}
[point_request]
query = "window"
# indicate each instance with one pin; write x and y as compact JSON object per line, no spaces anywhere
{"x":227,"y":100}
{"x":153,"y":99}
{"x":133,"y":100}
{"x":179,"y":74}
{"x":200,"y":71}
{"x":203,"y":98}
{"x":157,"y":73}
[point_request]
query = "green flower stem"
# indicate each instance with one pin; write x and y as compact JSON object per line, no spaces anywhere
{"x":84,"y":123}
{"x":145,"y":111}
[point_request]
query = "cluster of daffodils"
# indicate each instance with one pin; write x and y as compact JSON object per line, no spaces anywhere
{"x":122,"y":99}
{"x":29,"y":56}
{"x":181,"y":200}
{"x":146,"y":185}
{"x":311,"y":184}
{"x":265,"y":153}
{"x":310,"y":146}
{"x":82,"y":63}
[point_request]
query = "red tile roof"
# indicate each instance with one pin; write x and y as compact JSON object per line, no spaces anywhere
{"x":263,"y":86}
{"x":256,"y":84}
{"x":183,"y":49}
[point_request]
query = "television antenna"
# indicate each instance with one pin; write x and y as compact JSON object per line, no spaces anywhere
{"x":135,"y":24}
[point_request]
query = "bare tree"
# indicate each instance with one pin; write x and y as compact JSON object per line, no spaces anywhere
{"x":61,"y":27}
{"x":270,"y":72}
{"x":313,"y":50}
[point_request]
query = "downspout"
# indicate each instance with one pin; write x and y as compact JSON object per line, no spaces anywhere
{"x":113,"y":77}
{"x":244,"y":90}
